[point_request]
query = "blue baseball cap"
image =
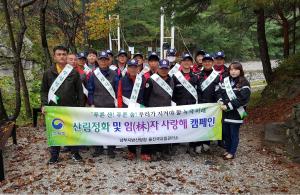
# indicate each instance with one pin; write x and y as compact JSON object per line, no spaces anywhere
{"x":132,"y":62}
{"x":109,"y":52}
{"x":208,"y":57}
{"x":122,"y":51}
{"x":164,"y":63}
{"x":138,"y":54}
{"x":171,"y":52}
{"x":187,"y":56}
{"x":81,"y":55}
{"x":220,"y":54}
{"x":102,"y":54}
{"x":153,"y":56}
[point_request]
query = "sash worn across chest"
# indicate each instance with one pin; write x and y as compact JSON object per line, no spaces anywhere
{"x":58,"y":82}
{"x":187,"y":85}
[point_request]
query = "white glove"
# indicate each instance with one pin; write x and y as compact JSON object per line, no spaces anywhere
{"x":223,"y":107}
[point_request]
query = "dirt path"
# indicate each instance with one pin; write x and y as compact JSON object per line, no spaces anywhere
{"x":256,"y":170}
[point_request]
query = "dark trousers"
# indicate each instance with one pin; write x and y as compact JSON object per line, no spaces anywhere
{"x":132,"y":148}
{"x":231,"y":137}
{"x":221,"y":142}
{"x":163,"y":148}
{"x":100,"y":148}
{"x":54,"y":150}
{"x":153,"y":148}
{"x":194,"y":144}
{"x":147,"y":149}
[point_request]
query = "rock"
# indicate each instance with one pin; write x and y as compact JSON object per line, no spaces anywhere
{"x":293,"y":135}
{"x":278,"y":151}
{"x":275,"y":132}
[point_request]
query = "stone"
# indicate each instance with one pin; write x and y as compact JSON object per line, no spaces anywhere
{"x":293,"y":135}
{"x":275,"y":132}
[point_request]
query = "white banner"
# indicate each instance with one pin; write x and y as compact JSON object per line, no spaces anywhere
{"x":138,"y":126}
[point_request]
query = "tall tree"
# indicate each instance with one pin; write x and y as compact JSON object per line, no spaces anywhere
{"x":68,"y":17}
{"x":98,"y":22}
{"x":17,"y":49}
{"x":283,"y":21}
{"x":43,"y":8}
{"x":263,"y":45}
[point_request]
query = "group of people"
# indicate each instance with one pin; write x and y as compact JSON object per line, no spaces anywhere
{"x":92,"y":79}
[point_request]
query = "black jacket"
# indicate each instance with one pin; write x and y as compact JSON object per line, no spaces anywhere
{"x":98,"y":95}
{"x":209,"y":94}
{"x":242,"y":92}
{"x":181,"y":96}
{"x":70,"y":92}
{"x":127,"y":87}
{"x":156,"y":96}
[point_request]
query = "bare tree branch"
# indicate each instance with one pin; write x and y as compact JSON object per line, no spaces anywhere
{"x":26,"y":3}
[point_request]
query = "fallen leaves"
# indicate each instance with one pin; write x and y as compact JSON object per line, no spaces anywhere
{"x":228,"y":178}
{"x":28,"y":172}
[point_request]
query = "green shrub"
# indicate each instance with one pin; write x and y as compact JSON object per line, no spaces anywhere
{"x":289,"y":66}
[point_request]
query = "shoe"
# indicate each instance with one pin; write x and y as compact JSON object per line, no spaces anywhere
{"x":145,"y":157}
{"x":98,"y":151}
{"x":205,"y":148}
{"x":130,"y":156}
{"x":111,"y":153}
{"x":76,"y":157}
{"x":198,"y":149}
{"x":225,"y":154}
{"x":53,"y":160}
{"x":229,"y":157}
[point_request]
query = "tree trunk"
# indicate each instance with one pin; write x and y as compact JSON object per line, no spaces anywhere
{"x":285,"y":32}
{"x":21,"y":17}
{"x":294,"y":27}
{"x":263,"y":44}
{"x":3,"y":115}
{"x":70,"y":42}
{"x":85,"y":33}
{"x":286,"y":40}
{"x":25,"y":93}
{"x":43,"y":7}
{"x":16,"y":63}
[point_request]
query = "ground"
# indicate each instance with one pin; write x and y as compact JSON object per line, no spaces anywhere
{"x":279,"y":111}
{"x":257,"y":168}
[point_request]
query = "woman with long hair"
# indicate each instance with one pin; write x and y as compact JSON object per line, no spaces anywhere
{"x":234,"y":94}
